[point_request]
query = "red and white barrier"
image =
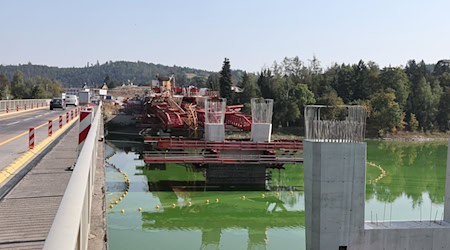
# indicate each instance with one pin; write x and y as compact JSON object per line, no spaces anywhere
{"x":60,"y":121}
{"x":31,"y":138}
{"x":71,"y":114}
{"x":50,"y":127}
{"x":67,"y":117}
{"x":85,"y":125}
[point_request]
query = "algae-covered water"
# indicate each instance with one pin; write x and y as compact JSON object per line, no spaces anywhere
{"x":170,"y":206}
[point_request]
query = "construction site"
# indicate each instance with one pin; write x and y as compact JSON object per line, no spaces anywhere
{"x":194,"y":128}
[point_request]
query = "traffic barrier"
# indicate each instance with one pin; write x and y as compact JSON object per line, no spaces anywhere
{"x":71,"y":115}
{"x":60,"y":121}
{"x":50,"y":127}
{"x":31,"y":138}
{"x":17,"y":107}
{"x":67,"y":117}
{"x":7,"y":109}
{"x":85,"y":125}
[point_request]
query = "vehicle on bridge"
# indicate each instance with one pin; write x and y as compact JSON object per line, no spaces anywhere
{"x":57,"y":102}
{"x":72,"y":100}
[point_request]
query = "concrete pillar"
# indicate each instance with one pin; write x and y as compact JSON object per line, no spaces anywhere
{"x":447,"y":187}
{"x":214,"y":119}
{"x":262,"y":110}
{"x":214,"y":132}
{"x":261,"y":132}
{"x":334,"y":193}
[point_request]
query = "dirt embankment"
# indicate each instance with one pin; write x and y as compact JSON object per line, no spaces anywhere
{"x":417,"y":136}
{"x":128,"y":92}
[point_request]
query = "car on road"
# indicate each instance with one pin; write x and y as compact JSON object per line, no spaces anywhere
{"x":72,"y":100}
{"x":57,"y":102}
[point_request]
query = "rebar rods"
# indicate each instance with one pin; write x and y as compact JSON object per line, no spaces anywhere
{"x":344,"y":124}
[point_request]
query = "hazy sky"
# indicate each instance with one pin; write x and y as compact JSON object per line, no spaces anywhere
{"x":200,"y":34}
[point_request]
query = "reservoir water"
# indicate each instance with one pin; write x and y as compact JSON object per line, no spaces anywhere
{"x":170,"y":206}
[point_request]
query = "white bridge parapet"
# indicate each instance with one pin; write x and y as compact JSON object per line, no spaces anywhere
{"x":70,"y":229}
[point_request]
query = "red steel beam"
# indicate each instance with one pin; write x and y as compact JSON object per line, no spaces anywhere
{"x":218,"y":159}
{"x":179,"y":143}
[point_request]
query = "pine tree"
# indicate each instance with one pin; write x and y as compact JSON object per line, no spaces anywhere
{"x":225,"y":81}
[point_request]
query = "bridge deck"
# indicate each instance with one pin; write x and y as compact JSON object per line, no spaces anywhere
{"x":27,"y":212}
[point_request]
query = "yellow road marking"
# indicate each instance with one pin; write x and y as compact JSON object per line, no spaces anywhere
{"x":20,"y":162}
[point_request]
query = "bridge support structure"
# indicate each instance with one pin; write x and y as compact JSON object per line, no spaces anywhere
{"x":335,"y":165}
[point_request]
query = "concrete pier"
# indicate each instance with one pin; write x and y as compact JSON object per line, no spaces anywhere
{"x":334,"y":193}
{"x":335,"y":169}
{"x":447,"y":186}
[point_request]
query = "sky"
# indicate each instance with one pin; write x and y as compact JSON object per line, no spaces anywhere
{"x":200,"y":34}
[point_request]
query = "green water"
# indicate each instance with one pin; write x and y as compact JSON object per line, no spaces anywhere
{"x":180,"y":212}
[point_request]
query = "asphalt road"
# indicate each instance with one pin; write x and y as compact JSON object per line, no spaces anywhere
{"x":14,"y":131}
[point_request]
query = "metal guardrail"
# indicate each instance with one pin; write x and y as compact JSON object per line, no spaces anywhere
{"x":70,"y":229}
{"x":15,"y":105}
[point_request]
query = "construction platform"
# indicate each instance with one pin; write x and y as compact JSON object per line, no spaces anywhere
{"x":182,"y":150}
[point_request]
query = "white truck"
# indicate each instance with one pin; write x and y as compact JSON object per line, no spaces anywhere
{"x":84,"y":97}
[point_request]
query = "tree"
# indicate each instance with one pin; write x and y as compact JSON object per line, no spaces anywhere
{"x":250,"y":90}
{"x":360,"y":82}
{"x":55,"y":88}
{"x":396,"y":80}
{"x":213,"y":82}
{"x":443,"y":118}
{"x":386,"y":115}
{"x":425,"y":103}
{"x":18,"y":86}
{"x":225,"y":81}
{"x":343,"y":82}
{"x":4,"y":88}
{"x":413,"y":124}
{"x":265,"y":84}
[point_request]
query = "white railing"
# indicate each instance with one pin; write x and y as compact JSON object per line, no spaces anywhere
{"x":25,"y":104}
{"x":70,"y":229}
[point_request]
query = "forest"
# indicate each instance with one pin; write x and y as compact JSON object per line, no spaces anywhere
{"x":414,"y":97}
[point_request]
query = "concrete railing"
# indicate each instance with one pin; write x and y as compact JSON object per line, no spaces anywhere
{"x":14,"y":105}
{"x":70,"y":229}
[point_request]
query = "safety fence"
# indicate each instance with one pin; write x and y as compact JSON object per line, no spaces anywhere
{"x":7,"y":106}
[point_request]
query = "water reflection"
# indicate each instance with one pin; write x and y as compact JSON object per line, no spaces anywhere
{"x":177,"y":200}
{"x":413,"y":188}
{"x":411,"y":170}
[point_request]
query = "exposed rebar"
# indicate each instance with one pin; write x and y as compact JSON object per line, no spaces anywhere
{"x":338,"y":124}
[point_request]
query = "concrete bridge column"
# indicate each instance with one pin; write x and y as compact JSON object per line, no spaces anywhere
{"x":214,"y":119}
{"x":334,"y":193}
{"x":447,"y":187}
